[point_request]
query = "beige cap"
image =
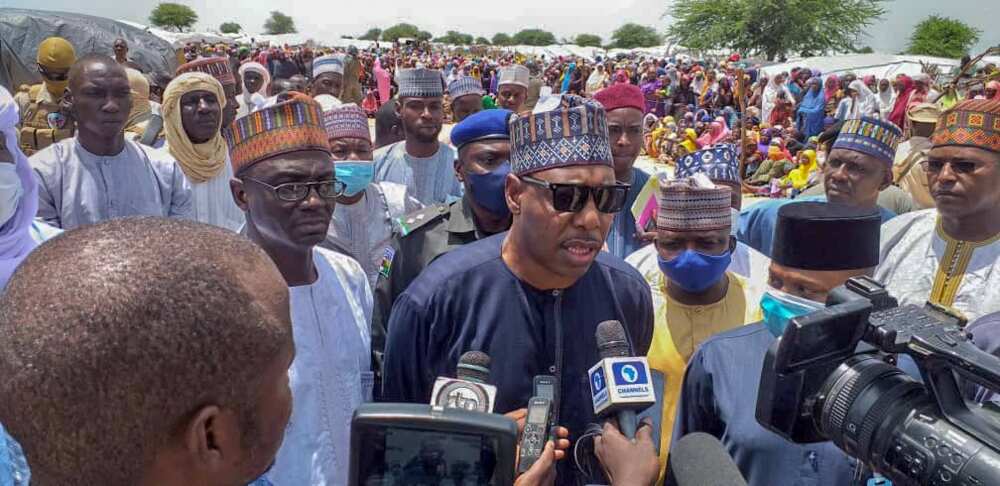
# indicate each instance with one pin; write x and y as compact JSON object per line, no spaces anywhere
{"x":924,"y":113}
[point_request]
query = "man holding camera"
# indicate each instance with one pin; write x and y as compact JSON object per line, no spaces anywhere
{"x":951,"y":255}
{"x":817,"y":247}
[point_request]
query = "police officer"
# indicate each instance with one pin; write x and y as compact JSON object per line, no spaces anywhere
{"x":44,"y":120}
{"x":483,"y":144}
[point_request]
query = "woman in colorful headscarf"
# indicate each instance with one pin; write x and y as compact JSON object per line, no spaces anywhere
{"x":690,"y":142}
{"x":770,"y":98}
{"x":809,"y":117}
{"x":717,"y":133}
{"x":798,"y":178}
{"x":567,"y":77}
{"x":992,"y":91}
{"x":384,"y":81}
{"x":831,"y":93}
{"x":886,"y":98}
{"x":597,"y":80}
{"x":903,"y":94}
{"x":860,"y":101}
{"x":621,"y":77}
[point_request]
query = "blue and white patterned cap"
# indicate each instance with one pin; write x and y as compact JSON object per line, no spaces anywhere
{"x":419,"y":83}
{"x":718,"y":162}
{"x":333,"y":63}
{"x":575,"y":132}
{"x":870,"y":136}
{"x":465,"y":85}
{"x":514,"y":74}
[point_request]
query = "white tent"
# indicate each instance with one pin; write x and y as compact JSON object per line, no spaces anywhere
{"x":179,"y":39}
{"x":883,"y":66}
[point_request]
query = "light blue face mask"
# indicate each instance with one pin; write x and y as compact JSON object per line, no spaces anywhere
{"x":356,"y":174}
{"x":779,"y":308}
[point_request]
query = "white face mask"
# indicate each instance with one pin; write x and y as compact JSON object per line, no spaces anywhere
{"x":10,"y":191}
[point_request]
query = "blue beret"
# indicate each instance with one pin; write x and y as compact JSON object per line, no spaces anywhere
{"x":482,"y":125}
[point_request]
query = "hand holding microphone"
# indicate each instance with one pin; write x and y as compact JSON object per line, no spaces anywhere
{"x":620,"y":383}
{"x":628,"y":462}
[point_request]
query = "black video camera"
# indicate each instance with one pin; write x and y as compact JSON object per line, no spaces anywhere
{"x":832,"y":376}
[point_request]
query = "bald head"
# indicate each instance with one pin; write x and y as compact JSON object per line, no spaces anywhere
{"x":94,"y":64}
{"x":116,"y":334}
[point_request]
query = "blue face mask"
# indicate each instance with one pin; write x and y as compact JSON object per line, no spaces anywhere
{"x":695,"y":272}
{"x":488,"y":189}
{"x":780,"y":308}
{"x":356,"y":174}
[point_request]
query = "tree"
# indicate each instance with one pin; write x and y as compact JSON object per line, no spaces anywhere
{"x":588,"y":40}
{"x":942,"y":37}
{"x":404,"y":30}
{"x":454,"y":37}
{"x":534,"y":37}
{"x":372,"y":34}
{"x":630,"y":35}
{"x":173,"y":15}
{"x":502,"y":39}
{"x":482,"y":41}
{"x":423,"y":35}
{"x":772,"y":29}
{"x":230,"y":28}
{"x":279,"y":23}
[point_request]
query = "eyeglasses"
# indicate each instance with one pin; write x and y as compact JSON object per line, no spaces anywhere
{"x":51,"y":76}
{"x":959,"y":167}
{"x":298,"y":191}
{"x":572,"y":198}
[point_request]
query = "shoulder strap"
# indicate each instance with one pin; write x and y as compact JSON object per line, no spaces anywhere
{"x":152,"y":130}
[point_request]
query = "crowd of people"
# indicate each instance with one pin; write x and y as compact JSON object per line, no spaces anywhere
{"x":203,"y":275}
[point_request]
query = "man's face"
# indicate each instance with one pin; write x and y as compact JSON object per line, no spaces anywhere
{"x":422,"y":118}
{"x":854,"y":178}
{"x":273,"y":410}
{"x":300,"y":224}
{"x":463,"y":106}
{"x":121,"y":48}
{"x":252,"y":81}
{"x":564,"y":243}
{"x":625,"y":134}
{"x":200,"y":115}
{"x":512,"y":96}
{"x":229,"y":112}
{"x":963,"y":180}
{"x":299,"y":83}
{"x":351,"y":149}
{"x":101,"y":99}
{"x":481,"y":157}
{"x":328,"y":83}
{"x":808,"y":284}
{"x":279,"y":86}
{"x":670,"y":244}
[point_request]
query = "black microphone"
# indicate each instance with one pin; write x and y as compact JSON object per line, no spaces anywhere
{"x":699,"y":459}
{"x":620,"y":383}
{"x":470,"y":389}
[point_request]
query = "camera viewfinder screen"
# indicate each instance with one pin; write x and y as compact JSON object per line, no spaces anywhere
{"x":400,"y":456}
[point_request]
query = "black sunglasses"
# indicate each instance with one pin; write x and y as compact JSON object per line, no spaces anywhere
{"x":960,"y":167}
{"x":298,"y":191}
{"x":572,"y":198}
{"x":51,"y":76}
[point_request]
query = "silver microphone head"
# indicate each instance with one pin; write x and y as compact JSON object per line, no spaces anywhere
{"x":611,"y":340}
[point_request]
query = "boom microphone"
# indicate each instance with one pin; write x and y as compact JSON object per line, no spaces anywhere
{"x":619,"y":383}
{"x":699,"y":459}
{"x":470,"y":390}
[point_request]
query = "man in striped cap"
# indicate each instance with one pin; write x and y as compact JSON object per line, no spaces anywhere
{"x":283,"y":180}
{"x":532,"y":297}
{"x":694,"y":296}
{"x":328,"y":76}
{"x":466,"y":95}
{"x":951,"y":255}
{"x":220,"y":69}
{"x":421,"y":163}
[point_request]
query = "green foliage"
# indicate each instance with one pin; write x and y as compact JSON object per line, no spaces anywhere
{"x":502,"y":39}
{"x":455,"y":37}
{"x":772,"y":28}
{"x":630,"y":35}
{"x":279,"y":23}
{"x":423,"y":35}
{"x":942,"y":37}
{"x":482,"y":41}
{"x":534,"y":37}
{"x":404,"y":30}
{"x":865,"y":50}
{"x":173,"y":15}
{"x":588,"y":40}
{"x":230,"y":28}
{"x":372,"y":34}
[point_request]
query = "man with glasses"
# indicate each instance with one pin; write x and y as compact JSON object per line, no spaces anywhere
{"x":284,"y":182}
{"x":951,"y":255}
{"x":694,"y":296}
{"x":532,"y":297}
{"x":45,"y":119}
{"x":858,"y":167}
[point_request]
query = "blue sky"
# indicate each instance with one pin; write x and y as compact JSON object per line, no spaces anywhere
{"x":566,"y":18}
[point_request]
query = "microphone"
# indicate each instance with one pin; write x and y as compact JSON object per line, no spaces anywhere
{"x":699,"y":459}
{"x":619,"y":383}
{"x":470,"y":389}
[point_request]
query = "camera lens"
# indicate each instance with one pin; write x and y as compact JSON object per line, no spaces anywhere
{"x":862,"y":395}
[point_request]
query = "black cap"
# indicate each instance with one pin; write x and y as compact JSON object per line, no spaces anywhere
{"x":826,"y":236}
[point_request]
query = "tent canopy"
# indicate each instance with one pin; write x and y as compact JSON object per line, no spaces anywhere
{"x":21,"y":30}
{"x":883,"y":66}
